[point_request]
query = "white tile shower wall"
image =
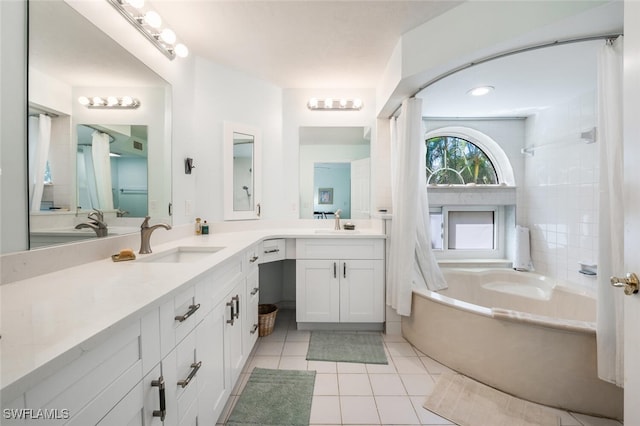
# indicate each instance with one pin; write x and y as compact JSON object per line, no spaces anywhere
{"x":559,"y":201}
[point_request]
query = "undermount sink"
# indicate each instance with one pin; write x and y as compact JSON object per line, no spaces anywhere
{"x":182,"y":254}
{"x":336,"y":231}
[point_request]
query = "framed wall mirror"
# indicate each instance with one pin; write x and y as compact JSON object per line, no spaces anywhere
{"x":69,"y":58}
{"x":335,"y":173}
{"x":242,"y":168}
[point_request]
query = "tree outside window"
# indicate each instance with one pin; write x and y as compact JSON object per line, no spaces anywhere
{"x":455,"y":161}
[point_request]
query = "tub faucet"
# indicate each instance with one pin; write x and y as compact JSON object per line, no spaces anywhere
{"x":337,"y":215}
{"x":145,"y":234}
{"x":96,"y":223}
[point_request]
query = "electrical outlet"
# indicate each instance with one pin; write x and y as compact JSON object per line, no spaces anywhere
{"x":188,"y":207}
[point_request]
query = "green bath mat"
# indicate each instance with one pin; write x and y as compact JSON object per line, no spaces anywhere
{"x":365,"y":348}
{"x":275,"y":397}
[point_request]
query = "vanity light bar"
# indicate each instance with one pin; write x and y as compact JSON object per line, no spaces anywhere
{"x":331,"y":104}
{"x":149,"y":23}
{"x":109,"y":102}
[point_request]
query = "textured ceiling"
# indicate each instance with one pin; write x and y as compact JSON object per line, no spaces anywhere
{"x":299,"y":44}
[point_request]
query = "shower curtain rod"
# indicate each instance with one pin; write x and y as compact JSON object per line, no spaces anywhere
{"x":505,"y":54}
{"x":112,"y":138}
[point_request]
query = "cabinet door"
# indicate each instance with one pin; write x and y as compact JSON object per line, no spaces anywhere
{"x":317,"y":291}
{"x":361,"y":291}
{"x":129,"y":411}
{"x":251,"y":318}
{"x":213,"y":384}
{"x":235,"y":305}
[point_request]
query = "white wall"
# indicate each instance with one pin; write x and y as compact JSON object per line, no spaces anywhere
{"x":227,"y":95}
{"x":560,"y":198}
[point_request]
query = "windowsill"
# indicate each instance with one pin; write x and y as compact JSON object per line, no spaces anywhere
{"x":478,"y":195}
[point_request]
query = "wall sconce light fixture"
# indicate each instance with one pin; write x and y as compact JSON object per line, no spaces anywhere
{"x":149,"y":23}
{"x":331,"y":104}
{"x":109,"y":102}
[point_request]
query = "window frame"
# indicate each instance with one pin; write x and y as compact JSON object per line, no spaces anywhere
{"x":498,"y":252}
{"x":491,"y":149}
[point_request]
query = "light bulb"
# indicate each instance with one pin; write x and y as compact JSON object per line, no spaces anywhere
{"x":357,"y":103}
{"x":138,"y":4}
{"x":328,"y":103}
{"x":153,"y":19}
{"x":127,"y":100}
{"x":112,"y":101}
{"x":343,"y":103}
{"x":83,"y":100}
{"x":168,"y":36}
{"x":313,"y":103}
{"x":97,"y":100}
{"x":181,"y":50}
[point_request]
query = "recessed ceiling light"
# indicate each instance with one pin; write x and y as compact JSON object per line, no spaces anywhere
{"x":480,"y":91}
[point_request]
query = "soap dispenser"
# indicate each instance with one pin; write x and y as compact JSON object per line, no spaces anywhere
{"x":198,"y":226}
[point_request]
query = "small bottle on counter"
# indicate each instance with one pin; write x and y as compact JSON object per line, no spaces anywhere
{"x":198,"y":226}
{"x":205,"y":228}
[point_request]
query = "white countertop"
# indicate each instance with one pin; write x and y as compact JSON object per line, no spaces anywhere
{"x":48,"y":320}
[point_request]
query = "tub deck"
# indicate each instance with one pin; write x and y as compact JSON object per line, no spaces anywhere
{"x":531,"y":355}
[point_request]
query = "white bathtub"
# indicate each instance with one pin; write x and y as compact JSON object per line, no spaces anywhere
{"x":519,"y":332}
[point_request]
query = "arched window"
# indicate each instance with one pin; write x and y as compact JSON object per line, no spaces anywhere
{"x":458,"y":155}
{"x":456,"y":161}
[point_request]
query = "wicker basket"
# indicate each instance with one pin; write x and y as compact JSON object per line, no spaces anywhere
{"x":266,"y":319}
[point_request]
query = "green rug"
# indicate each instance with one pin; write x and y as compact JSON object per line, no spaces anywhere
{"x":275,"y":397}
{"x":365,"y":348}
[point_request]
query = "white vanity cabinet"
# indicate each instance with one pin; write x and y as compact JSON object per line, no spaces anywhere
{"x":176,"y":364}
{"x":252,"y":296}
{"x":340,"y":280}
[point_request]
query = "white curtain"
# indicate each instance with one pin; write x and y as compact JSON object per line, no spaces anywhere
{"x":102,"y":169}
{"x":39,"y":142}
{"x":411,"y":260}
{"x":610,"y":333}
{"x":87,"y":191}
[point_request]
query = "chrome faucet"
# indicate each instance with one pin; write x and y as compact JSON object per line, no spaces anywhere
{"x":145,"y":234}
{"x":96,"y":223}
{"x":337,"y":215}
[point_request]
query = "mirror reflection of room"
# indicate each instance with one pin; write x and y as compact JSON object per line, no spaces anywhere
{"x":334,"y":172}
{"x":112,"y":169}
{"x":242,"y":172}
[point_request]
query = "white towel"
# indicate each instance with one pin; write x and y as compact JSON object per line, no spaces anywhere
{"x":522,"y":261}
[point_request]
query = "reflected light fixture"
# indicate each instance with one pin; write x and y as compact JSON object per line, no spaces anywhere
{"x":109,"y":102}
{"x":331,"y":104}
{"x":481,"y":90}
{"x":149,"y":23}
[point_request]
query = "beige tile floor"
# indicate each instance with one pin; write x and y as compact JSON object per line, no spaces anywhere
{"x":363,"y":394}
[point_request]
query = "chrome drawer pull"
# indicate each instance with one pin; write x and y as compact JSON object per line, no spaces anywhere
{"x":344,"y":269}
{"x":334,"y":270}
{"x":162,"y":412}
{"x":236,"y":298}
{"x":255,"y":291}
{"x":275,"y":250}
{"x":255,"y":328}
{"x":195,"y":367}
{"x":231,"y":305}
{"x":192,"y":310}
{"x":253,"y":259}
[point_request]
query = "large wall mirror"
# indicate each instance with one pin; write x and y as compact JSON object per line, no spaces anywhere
{"x":81,"y":159}
{"x":334,"y":172}
{"x":242,"y":167}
